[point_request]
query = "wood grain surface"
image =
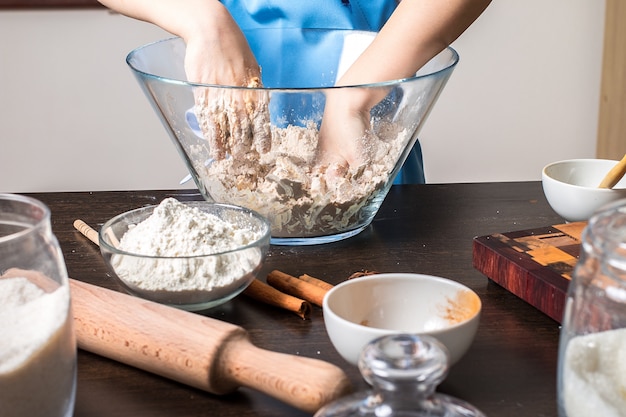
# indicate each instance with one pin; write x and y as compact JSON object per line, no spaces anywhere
{"x":612,"y":106}
{"x":534,"y":264}
{"x":510,"y":370}
{"x":202,"y":352}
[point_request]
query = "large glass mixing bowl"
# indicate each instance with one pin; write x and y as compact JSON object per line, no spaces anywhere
{"x":276,"y":173}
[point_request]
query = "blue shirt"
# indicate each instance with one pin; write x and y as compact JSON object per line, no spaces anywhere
{"x":368,"y":15}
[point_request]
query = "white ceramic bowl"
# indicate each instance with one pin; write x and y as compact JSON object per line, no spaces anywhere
{"x":571,"y":187}
{"x":360,"y":310}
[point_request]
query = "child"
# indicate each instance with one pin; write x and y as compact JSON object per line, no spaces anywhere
{"x":410,"y":33}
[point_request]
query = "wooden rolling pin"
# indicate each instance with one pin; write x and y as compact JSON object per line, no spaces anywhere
{"x":202,"y":352}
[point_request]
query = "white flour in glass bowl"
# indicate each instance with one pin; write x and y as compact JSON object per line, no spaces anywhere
{"x":186,"y":253}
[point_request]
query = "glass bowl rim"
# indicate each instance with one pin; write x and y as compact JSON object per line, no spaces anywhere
{"x":45,"y":217}
{"x":266,"y":230}
{"x":454,"y":61}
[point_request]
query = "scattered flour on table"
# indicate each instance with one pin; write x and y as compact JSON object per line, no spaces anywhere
{"x":178,"y":230}
{"x":37,"y":353}
{"x":594,"y":378}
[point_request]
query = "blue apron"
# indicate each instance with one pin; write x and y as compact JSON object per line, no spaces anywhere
{"x":368,"y":15}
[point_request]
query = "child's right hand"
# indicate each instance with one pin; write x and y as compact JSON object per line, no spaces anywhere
{"x":344,"y":130}
{"x":234,"y":121}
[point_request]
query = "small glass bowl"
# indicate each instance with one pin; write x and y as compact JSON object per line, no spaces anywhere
{"x":159,"y":278}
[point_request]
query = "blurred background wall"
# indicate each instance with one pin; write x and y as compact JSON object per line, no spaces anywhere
{"x":72,"y":118}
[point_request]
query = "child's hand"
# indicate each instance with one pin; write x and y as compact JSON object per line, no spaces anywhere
{"x":233,"y":120}
{"x":344,"y":130}
{"x":346,"y":137}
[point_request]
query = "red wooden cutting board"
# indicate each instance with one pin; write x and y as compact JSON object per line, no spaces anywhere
{"x":535,"y":264}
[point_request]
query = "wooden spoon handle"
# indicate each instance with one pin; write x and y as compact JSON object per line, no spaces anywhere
{"x":205,"y":353}
{"x":614,"y":175}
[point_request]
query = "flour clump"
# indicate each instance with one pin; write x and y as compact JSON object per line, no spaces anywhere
{"x":187,"y":251}
{"x":301,"y":197}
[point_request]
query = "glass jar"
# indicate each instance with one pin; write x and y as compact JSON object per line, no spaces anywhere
{"x":37,"y":342}
{"x":404,"y":371}
{"x":592,"y":351}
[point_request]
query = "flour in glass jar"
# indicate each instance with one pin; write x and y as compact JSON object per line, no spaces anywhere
{"x":178,"y":230}
{"x":37,"y":352}
{"x":594,"y":378}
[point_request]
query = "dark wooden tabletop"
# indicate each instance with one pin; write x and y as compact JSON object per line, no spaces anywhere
{"x":510,"y":370}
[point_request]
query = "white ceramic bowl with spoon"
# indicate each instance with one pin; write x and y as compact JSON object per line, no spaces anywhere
{"x":572,"y":187}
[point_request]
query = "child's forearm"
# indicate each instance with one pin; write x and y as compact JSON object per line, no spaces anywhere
{"x":179,"y":17}
{"x":417,"y":31}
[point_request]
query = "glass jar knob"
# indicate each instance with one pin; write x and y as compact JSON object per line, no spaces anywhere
{"x":404,"y":371}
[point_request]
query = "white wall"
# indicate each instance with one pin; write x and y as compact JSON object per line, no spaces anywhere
{"x":72,"y":117}
{"x":526,"y":92}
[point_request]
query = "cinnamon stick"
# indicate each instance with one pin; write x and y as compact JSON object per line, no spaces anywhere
{"x":297,"y":287}
{"x":363,"y":273}
{"x":270,"y":295}
{"x":316,"y":281}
